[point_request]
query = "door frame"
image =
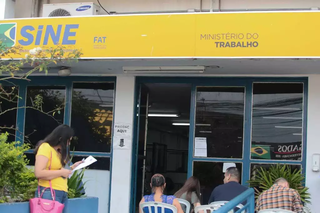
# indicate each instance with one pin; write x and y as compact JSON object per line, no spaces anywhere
{"x":247,"y":83}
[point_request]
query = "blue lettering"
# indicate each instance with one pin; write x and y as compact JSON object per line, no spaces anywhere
{"x":39,"y":35}
{"x":24,"y":33}
{"x":68,"y":33}
{"x":99,"y":39}
{"x":55,"y":37}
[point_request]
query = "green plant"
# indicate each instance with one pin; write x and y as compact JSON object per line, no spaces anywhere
{"x":17,"y":182}
{"x":265,"y":178}
{"x":76,"y":184}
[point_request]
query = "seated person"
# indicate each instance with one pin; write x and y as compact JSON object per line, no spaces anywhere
{"x":280,"y":196}
{"x":190,"y":191}
{"x":231,"y":187}
{"x":158,"y":184}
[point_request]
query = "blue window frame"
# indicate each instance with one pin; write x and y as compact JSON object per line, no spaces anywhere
{"x":247,"y":83}
{"x":67,"y":82}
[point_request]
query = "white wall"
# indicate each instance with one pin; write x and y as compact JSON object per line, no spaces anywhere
{"x":24,"y":7}
{"x":97,"y":184}
{"x":122,"y":158}
{"x":7,"y":8}
{"x":313,"y":140}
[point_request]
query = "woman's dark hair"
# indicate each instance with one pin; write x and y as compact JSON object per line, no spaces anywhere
{"x":157,"y":180}
{"x":191,"y":185}
{"x":59,"y":136}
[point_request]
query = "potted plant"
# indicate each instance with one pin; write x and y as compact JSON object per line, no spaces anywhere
{"x":78,"y":202}
{"x":18,"y":183}
{"x":264,"y":178}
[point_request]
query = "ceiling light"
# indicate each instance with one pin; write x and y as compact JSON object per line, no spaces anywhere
{"x":206,"y":132}
{"x":164,"y":69}
{"x":180,"y":124}
{"x":188,"y":124}
{"x":203,"y":124}
{"x":163,"y":115}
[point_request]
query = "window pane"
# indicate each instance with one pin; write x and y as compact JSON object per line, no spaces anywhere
{"x":219,"y":121}
{"x":32,"y":158}
{"x":277,"y":121}
{"x":92,"y":115}
{"x":45,"y":111}
{"x":8,"y":111}
{"x":210,"y":175}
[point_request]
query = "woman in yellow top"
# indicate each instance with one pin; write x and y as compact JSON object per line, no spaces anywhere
{"x":54,"y":151}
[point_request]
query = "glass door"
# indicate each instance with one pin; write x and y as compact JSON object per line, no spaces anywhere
{"x":218,"y":134}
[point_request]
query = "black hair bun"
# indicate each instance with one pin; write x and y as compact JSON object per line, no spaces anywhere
{"x":157,"y":181}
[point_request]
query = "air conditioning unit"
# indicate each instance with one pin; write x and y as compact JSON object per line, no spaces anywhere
{"x":72,"y":9}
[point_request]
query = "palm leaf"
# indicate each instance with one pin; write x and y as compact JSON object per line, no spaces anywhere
{"x":265,"y":178}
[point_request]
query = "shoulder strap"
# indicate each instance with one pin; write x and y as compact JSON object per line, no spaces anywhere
{"x":52,"y":191}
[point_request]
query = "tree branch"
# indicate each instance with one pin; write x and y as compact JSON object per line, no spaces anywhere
{"x":27,"y":107}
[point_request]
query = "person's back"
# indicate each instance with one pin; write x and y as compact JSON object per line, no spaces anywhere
{"x":231,"y":187}
{"x":194,"y":201}
{"x":190,"y":192}
{"x":168,"y":199}
{"x":158,"y":185}
{"x":227,"y":192}
{"x":280,"y":196}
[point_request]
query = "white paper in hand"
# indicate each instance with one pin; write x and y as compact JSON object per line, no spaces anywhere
{"x":88,"y":161}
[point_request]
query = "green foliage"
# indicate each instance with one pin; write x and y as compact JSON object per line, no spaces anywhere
{"x":17,"y":182}
{"x":265,"y":178}
{"x":76,"y":184}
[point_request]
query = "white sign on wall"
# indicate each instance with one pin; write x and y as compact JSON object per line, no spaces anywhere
{"x":122,"y":138}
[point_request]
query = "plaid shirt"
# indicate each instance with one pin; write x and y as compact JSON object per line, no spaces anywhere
{"x":280,"y":197}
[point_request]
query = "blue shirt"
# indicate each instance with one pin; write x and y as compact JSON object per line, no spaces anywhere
{"x":165,"y":199}
{"x":226,"y":192}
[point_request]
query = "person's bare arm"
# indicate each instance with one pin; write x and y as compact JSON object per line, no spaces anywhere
{"x":41,"y":171}
{"x":142,"y":201}
{"x":177,"y":205}
{"x":195,"y":205}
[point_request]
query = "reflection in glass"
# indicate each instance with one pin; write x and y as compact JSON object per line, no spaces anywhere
{"x":219,"y":119}
{"x":92,"y":116}
{"x":45,"y":111}
{"x":210,"y":175}
{"x":277,"y":121}
{"x":8,"y":110}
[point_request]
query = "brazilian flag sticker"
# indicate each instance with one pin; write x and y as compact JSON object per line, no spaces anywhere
{"x":8,"y":34}
{"x":260,"y":152}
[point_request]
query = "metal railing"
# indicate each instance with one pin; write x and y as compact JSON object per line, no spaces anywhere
{"x":247,"y":196}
